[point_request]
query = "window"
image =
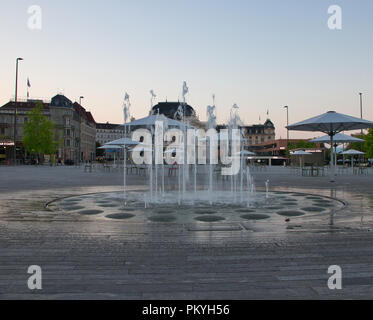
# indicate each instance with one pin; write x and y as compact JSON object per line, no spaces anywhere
{"x":67,"y":143}
{"x":25,"y":120}
{"x":67,"y":121}
{"x":68,"y":132}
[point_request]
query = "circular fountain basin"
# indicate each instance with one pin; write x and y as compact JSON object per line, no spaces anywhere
{"x":264,"y":208}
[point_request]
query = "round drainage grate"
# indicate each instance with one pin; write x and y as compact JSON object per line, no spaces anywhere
{"x":73,"y":208}
{"x":323,"y":204}
{"x":290,"y":213}
{"x":120,"y":216}
{"x":90,"y":212}
{"x":108,"y":205}
{"x":209,"y":218}
{"x":255,"y":216}
{"x":289,"y":203}
{"x":162,"y":218}
{"x":313,"y":209}
{"x":204,"y":211}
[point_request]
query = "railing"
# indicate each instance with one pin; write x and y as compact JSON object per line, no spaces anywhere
{"x":33,"y":99}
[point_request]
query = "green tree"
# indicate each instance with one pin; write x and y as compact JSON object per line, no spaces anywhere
{"x":38,"y":136}
{"x":301,"y":144}
{"x":367,"y":144}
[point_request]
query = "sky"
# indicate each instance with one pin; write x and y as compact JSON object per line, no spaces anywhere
{"x":261,"y":55}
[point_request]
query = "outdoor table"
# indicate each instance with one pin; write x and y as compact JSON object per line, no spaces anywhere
{"x":312,"y":171}
{"x":360,"y":170}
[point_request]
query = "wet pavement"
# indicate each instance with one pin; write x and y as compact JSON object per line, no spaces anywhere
{"x":83,"y":256}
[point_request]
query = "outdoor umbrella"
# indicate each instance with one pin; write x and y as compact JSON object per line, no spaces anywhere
{"x":123,"y":142}
{"x":338,"y":138}
{"x":352,"y":152}
{"x":331,"y":123}
{"x":300,"y":153}
{"x":109,"y":148}
{"x":246,"y":153}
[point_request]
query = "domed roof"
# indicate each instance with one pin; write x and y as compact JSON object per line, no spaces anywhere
{"x":269,"y":123}
{"x":169,"y":109}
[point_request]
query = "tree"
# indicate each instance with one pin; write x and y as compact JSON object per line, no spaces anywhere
{"x":301,"y":144}
{"x":367,"y":144}
{"x":38,"y":136}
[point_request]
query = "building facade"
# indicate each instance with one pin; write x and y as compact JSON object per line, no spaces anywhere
{"x":259,"y":133}
{"x":106,"y":132}
{"x":75,"y":128}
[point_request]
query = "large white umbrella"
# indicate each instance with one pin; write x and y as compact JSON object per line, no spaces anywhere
{"x":337,"y":139}
{"x":111,"y":147}
{"x":331,"y":123}
{"x":124,"y":143}
{"x":245,"y":153}
{"x":352,"y":152}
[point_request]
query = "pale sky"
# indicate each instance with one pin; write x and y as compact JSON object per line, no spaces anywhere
{"x":260,"y":54}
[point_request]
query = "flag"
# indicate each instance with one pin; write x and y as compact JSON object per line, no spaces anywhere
{"x":28,"y":86}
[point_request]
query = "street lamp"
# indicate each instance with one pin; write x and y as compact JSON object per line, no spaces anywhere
{"x":361,"y":108}
{"x":361,"y":116}
{"x":15,"y":115}
{"x":79,"y":145}
{"x":287,"y":124}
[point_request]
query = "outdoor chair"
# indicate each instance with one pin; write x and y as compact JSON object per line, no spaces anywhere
{"x":172,"y":170}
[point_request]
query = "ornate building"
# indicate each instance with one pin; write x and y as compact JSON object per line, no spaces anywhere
{"x":106,"y":132}
{"x":75,"y":128}
{"x":259,"y":133}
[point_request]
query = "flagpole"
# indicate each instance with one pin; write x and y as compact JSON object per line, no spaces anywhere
{"x":28,"y":85}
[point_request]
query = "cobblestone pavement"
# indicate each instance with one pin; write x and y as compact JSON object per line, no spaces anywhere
{"x":82,"y":257}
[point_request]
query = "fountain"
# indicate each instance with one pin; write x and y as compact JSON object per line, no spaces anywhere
{"x":208,"y":198}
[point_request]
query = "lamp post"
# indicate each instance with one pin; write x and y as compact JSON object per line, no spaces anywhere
{"x":361,"y":108}
{"x":287,"y":123}
{"x":80,"y":133}
{"x":361,"y":116}
{"x":15,"y":115}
